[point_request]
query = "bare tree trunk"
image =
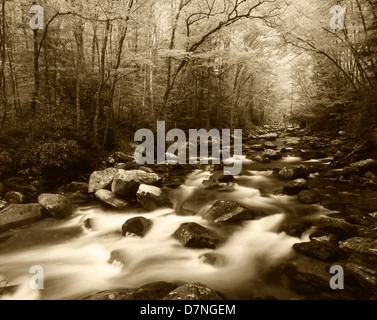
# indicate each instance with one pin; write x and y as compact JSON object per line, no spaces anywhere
{"x":101,"y":85}
{"x":78,"y":32}
{"x":3,"y":78}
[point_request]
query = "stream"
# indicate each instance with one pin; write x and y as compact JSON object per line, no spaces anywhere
{"x":78,"y":261}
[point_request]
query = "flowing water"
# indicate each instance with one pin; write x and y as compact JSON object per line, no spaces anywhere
{"x":78,"y":262}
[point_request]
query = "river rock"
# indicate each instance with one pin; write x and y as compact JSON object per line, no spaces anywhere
{"x":214,"y":259}
{"x":57,"y":205}
{"x":261,"y":159}
{"x":272,"y":154}
{"x":150,"y":292}
{"x":295,"y":187}
{"x":336,"y":143}
{"x":101,"y":179}
{"x":362,"y":220}
{"x":363,"y":259}
{"x":126,"y":183}
{"x":269,"y":136}
{"x":19,"y":215}
{"x":322,"y":250}
{"x":309,"y":197}
{"x":231,"y":211}
{"x":193,"y":291}
{"x":110,"y":199}
{"x":269,"y":145}
{"x":342,"y":229}
{"x":193,"y":235}
{"x":311,"y":277}
{"x":365,"y":166}
{"x":217,"y":179}
{"x":292,"y":141}
{"x":151,"y":197}
{"x":294,"y":173}
{"x":138,"y":226}
{"x":257,"y":147}
{"x":14,"y":197}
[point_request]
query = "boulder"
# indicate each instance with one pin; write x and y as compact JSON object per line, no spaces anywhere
{"x":362,"y":220}
{"x":217,"y":179}
{"x":272,"y":154}
{"x":138,"y":226}
{"x":150,"y":292}
{"x":231,"y":211}
{"x":322,"y":250}
{"x":364,"y":166}
{"x":295,"y":187}
{"x":193,"y":235}
{"x":269,"y":145}
{"x":269,"y":136}
{"x":292,"y":141}
{"x":101,"y":179}
{"x":342,"y":229}
{"x":257,"y":147}
{"x":19,"y":215}
{"x":57,"y":205}
{"x":14,"y":197}
{"x":126,"y":183}
{"x":110,"y":199}
{"x":363,"y":260}
{"x":294,"y":173}
{"x":309,"y":197}
{"x":193,"y":291}
{"x":151,"y":198}
{"x":311,"y":277}
{"x":261,"y":159}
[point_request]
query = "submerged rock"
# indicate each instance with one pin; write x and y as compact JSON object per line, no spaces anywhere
{"x":194,"y":235}
{"x":297,"y":229}
{"x":231,"y":211}
{"x":342,"y":229}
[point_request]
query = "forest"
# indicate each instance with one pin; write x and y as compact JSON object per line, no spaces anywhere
{"x":95,"y":72}
{"x":104,"y":105}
